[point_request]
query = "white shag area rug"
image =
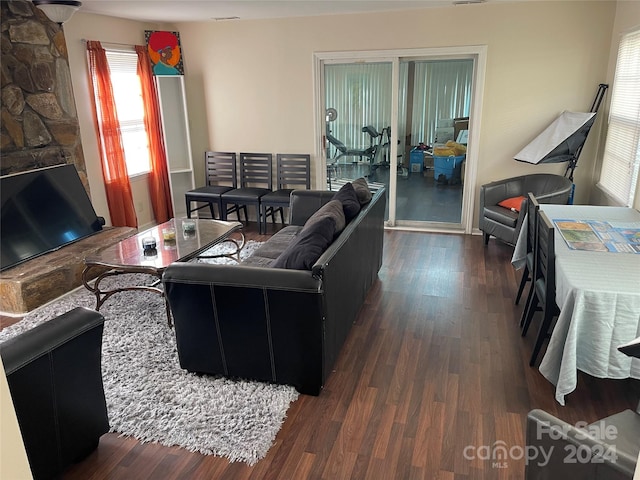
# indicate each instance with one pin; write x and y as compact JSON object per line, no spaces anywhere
{"x":151,"y":398}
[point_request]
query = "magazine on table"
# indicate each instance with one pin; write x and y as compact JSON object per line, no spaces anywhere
{"x":599,"y":236}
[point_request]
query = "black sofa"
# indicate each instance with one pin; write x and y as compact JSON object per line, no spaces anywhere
{"x":55,"y":379}
{"x":281,"y":325}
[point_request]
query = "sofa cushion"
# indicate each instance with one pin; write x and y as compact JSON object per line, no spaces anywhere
{"x":332,"y":209}
{"x":306,"y":248}
{"x":257,"y":261}
{"x":361,"y":188}
{"x":277,"y":244}
{"x":350,"y":204}
{"x":501,"y":215}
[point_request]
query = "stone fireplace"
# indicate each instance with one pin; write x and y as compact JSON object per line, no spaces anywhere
{"x":39,"y":125}
{"x":39,"y":128}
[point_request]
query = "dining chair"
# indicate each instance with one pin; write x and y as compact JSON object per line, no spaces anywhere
{"x":291,"y":170}
{"x":255,"y":182}
{"x":532,"y":217}
{"x":544,"y":283}
{"x":615,"y":437}
{"x":220,"y":171}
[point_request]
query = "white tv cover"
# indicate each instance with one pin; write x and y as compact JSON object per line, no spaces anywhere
{"x":568,"y":129}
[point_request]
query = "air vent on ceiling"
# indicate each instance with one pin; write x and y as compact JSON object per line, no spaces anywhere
{"x":468,"y":2}
{"x":222,"y":19}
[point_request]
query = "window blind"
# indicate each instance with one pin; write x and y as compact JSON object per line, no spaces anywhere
{"x":123,"y":66}
{"x":361,"y":93}
{"x":619,"y":174}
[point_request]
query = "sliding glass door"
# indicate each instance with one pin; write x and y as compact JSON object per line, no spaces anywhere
{"x":434,"y":105}
{"x":389,"y":115}
{"x":358,"y":119}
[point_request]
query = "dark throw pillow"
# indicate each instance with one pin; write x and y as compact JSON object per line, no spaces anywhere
{"x":306,"y":248}
{"x":332,"y":209}
{"x":363,"y":193}
{"x":350,"y":204}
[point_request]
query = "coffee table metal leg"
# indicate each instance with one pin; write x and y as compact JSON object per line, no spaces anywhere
{"x":239,"y":245}
{"x":103,"y":295}
{"x":168,"y":309}
{"x":235,"y":255}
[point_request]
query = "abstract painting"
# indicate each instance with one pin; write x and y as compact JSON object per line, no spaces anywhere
{"x":165,"y":52}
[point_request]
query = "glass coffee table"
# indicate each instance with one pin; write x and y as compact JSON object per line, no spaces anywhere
{"x":177,"y":240}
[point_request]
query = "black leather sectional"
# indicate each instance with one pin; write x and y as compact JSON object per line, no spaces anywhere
{"x":280,"y":325}
{"x":54,"y":375}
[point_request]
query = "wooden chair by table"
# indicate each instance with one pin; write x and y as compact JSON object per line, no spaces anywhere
{"x":613,"y":442}
{"x":527,"y":272}
{"x":255,"y":182}
{"x":544,"y":283}
{"x":221,"y":177}
{"x":291,"y":170}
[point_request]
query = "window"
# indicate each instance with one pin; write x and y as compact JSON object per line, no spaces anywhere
{"x":128,"y":98}
{"x":621,"y":160}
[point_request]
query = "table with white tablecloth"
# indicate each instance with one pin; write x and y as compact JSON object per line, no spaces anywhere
{"x":599,"y":298}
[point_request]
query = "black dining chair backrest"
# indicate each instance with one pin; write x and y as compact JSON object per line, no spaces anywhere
{"x":255,"y":181}
{"x":256,"y":170}
{"x":544,"y":278}
{"x":545,"y":254}
{"x":532,"y":213}
{"x":221,"y":169}
{"x":532,"y":218}
{"x":292,"y":170}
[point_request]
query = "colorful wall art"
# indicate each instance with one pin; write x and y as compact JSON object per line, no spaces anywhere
{"x":165,"y":52}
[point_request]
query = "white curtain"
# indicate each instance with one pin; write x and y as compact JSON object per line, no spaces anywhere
{"x":442,"y":90}
{"x":361,"y":94}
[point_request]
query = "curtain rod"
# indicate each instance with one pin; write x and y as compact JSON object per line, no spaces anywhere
{"x":113,"y":44}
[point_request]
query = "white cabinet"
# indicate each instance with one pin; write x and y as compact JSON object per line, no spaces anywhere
{"x":175,"y":122}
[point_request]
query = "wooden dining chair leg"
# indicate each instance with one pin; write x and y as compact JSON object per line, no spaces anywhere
{"x":543,"y":333}
{"x":523,"y":281}
{"x":529,"y":314}
{"x":262,"y":221}
{"x":527,"y":306}
{"x":263,"y":212}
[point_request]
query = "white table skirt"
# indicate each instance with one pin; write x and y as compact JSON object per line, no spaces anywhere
{"x":599,"y":298}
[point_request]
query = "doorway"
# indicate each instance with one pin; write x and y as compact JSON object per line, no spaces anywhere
{"x":381,"y":113}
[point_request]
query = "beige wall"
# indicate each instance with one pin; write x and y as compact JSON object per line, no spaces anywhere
{"x":627,"y":18}
{"x":13,"y":457}
{"x":250,"y":83}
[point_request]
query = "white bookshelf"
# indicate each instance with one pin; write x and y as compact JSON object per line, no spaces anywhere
{"x":175,"y":122}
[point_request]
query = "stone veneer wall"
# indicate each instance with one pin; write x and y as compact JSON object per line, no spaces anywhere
{"x":39,"y":126}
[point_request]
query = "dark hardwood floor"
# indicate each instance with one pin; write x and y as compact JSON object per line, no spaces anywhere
{"x":434,"y":363}
{"x":418,"y":198}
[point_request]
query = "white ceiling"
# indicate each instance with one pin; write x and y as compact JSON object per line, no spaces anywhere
{"x":203,"y":10}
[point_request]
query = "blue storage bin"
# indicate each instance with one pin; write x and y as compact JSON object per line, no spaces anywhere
{"x":416,"y":160}
{"x":447,"y":169}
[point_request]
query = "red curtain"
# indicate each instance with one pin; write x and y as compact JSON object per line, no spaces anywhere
{"x":158,"y":176}
{"x":114,"y":167}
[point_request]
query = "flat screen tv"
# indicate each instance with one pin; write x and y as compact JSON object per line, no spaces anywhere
{"x":43,"y":210}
